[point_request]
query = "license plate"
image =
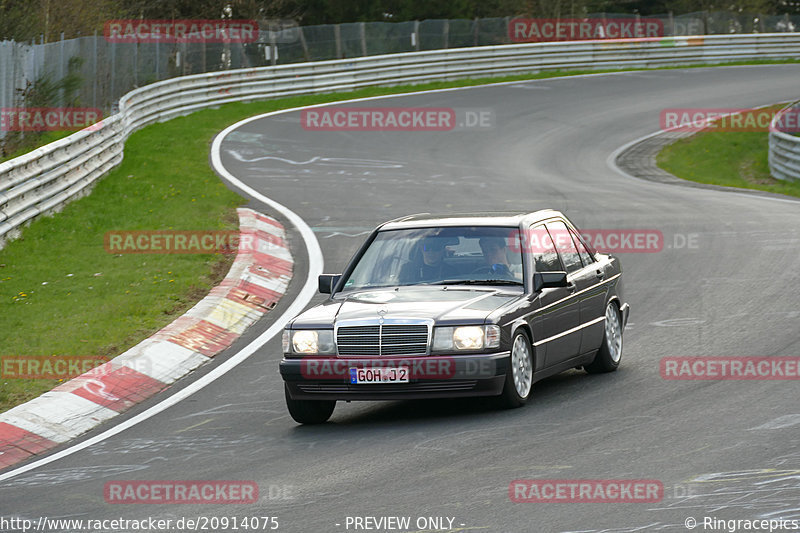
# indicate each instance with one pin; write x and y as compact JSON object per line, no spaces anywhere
{"x":360,"y":376}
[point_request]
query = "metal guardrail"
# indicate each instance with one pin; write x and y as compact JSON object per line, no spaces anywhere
{"x":43,"y":180}
{"x":102,"y":69}
{"x":784,"y":149}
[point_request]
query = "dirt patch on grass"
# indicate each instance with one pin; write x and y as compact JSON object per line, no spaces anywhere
{"x":749,"y":173}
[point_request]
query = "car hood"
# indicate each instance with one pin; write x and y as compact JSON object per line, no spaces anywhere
{"x":443,"y":305}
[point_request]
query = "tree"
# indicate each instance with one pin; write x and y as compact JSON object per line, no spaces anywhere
{"x":25,"y":20}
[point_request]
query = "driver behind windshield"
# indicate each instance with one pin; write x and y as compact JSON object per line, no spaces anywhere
{"x":430,"y":265}
{"x":495,"y":254}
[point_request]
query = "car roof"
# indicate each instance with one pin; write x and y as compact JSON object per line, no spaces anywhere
{"x":509,"y":219}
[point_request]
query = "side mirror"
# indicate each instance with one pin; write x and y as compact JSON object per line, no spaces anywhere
{"x":327,"y":282}
{"x":548,"y":280}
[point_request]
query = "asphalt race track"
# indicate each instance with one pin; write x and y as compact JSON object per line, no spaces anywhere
{"x":724,"y":284}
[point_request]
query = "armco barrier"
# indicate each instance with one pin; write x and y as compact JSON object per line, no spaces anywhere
{"x":45,"y":179}
{"x":784,"y":150}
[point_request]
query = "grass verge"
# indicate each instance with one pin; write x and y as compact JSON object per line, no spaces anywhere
{"x":727,"y":158}
{"x":62,"y":295}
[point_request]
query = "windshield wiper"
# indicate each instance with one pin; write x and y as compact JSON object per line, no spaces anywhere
{"x":477,"y":282}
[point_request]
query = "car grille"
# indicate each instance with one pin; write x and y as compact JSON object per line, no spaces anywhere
{"x":383,"y":339}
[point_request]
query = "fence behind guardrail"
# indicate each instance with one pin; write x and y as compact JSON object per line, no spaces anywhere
{"x":46,"y":178}
{"x":108,"y":70}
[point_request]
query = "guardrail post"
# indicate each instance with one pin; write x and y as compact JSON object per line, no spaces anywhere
{"x":362,"y":29}
{"x":136,"y":65}
{"x":113,"y":69}
{"x":273,"y":49}
{"x":158,"y":62}
{"x":184,"y":57}
{"x":61,"y":68}
{"x":303,"y":43}
{"x":94,"y":69}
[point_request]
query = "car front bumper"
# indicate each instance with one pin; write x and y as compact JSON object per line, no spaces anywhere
{"x":626,"y":310}
{"x":430,"y":377}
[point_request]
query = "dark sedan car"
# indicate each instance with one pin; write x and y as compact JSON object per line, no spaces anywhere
{"x":451,"y":306}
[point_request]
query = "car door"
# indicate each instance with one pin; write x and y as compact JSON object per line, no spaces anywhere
{"x":587,"y":277}
{"x":593,"y":302}
{"x":558,"y":316}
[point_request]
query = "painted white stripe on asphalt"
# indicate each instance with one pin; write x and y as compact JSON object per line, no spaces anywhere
{"x":76,"y":415}
{"x":266,"y":227}
{"x":279,"y":284}
{"x":274,"y":250}
{"x":161,"y":360}
{"x":782,"y":422}
{"x":202,"y":308}
{"x":233,"y":316}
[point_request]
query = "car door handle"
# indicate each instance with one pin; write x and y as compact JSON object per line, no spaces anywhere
{"x":571,"y":286}
{"x":600,"y":274}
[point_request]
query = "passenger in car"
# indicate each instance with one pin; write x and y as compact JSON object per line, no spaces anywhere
{"x":429,"y":265}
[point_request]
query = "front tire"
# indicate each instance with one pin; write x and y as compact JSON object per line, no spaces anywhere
{"x":519,"y":378}
{"x":309,"y":411}
{"x":610,"y":353}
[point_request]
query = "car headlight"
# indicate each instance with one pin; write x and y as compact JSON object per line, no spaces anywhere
{"x":466,"y":338}
{"x":309,"y":342}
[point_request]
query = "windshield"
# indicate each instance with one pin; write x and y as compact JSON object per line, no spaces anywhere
{"x":453,"y":255}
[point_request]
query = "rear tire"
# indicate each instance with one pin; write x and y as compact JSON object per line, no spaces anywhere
{"x":309,"y":411}
{"x":519,"y":378}
{"x":610,"y":353}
